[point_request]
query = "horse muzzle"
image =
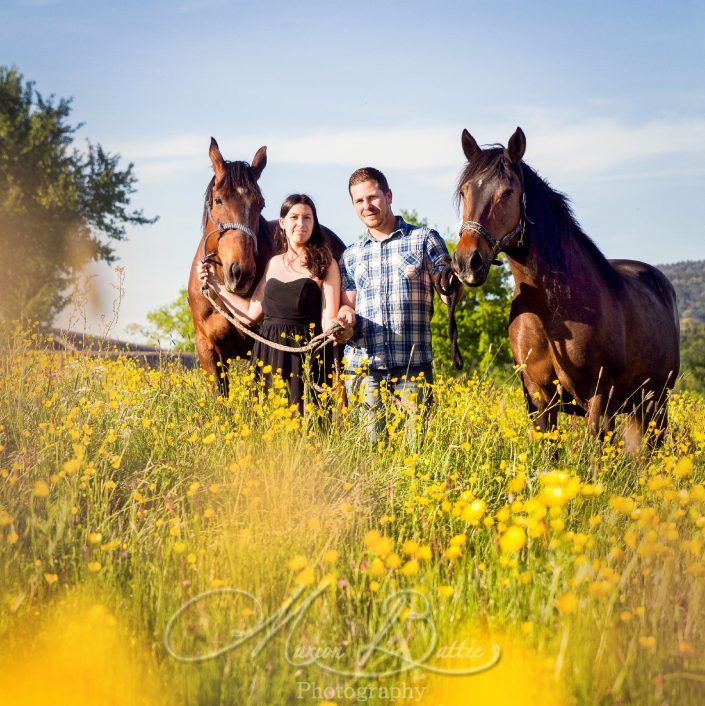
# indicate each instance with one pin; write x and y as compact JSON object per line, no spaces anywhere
{"x":237,"y":280}
{"x":471,"y":270}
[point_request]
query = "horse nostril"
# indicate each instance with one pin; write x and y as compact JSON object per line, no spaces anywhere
{"x":235,"y":271}
{"x":475,"y":261}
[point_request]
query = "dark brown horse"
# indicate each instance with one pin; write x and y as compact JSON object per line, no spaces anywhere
{"x":239,"y":242}
{"x":591,"y":336}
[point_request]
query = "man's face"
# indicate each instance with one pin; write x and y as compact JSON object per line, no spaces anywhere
{"x":372,"y":205}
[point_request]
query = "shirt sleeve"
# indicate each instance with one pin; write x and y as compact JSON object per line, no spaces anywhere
{"x":436,"y":252}
{"x":347,"y":283}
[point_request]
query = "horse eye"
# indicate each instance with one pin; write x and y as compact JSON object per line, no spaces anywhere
{"x":507,"y":194}
{"x":219,"y":202}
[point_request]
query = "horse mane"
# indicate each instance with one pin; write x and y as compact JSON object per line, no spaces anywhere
{"x":238,"y":175}
{"x":554,"y":225}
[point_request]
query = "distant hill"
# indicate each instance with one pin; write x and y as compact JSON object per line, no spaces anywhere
{"x":689,"y":280}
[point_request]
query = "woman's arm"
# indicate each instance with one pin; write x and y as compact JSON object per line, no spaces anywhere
{"x":331,"y":295}
{"x":248,"y":311}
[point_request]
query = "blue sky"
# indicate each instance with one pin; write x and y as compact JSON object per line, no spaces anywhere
{"x":611,"y":96}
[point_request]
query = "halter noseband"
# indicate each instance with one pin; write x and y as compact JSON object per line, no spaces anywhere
{"x":222,"y":229}
{"x":506,"y":240}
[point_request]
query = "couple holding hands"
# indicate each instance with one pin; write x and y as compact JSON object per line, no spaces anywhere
{"x":381,"y":293}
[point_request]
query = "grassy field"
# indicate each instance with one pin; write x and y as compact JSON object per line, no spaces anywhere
{"x":162,"y":546}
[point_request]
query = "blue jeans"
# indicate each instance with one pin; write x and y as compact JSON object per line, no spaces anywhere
{"x":410,"y":387}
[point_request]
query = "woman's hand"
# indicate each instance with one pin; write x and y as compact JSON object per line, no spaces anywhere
{"x":203,"y":271}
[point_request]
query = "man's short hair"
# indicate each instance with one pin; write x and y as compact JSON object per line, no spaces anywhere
{"x":368,"y":174}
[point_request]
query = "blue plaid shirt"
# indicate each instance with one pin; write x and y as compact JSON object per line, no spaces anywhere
{"x":394,"y":301}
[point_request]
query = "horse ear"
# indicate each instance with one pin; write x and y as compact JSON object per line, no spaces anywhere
{"x":216,"y":158}
{"x":470,"y":147}
{"x":259,"y":161}
{"x":516,"y":146}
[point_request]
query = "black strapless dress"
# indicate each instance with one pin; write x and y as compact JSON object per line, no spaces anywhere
{"x":292,"y":316}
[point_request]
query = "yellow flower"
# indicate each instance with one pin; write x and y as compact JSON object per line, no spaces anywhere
{"x":371,"y":538}
{"x":330,"y":556}
{"x":411,"y":568}
{"x":424,"y":553}
{"x":382,"y":546}
{"x":191,"y":558}
{"x":71,"y":466}
{"x":452,"y":553}
{"x":647,"y":641}
{"x":94,"y":566}
{"x":512,"y":540}
{"x":445,"y":591}
{"x":95,"y":538}
{"x":179,"y":547}
{"x":517,"y":484}
{"x":41,"y":489}
{"x":393,"y":561}
{"x":684,"y":467}
{"x":306,"y":577}
{"x":5,"y":518}
{"x":376,"y":568}
{"x":51,"y":578}
{"x":208,"y":439}
{"x":217,"y":583}
{"x":459,"y":540}
{"x":474,"y":511}
{"x":625,"y":616}
{"x":12,"y":538}
{"x":374,"y":586}
{"x":567,"y":603}
{"x":410,"y":547}
{"x":297,"y":562}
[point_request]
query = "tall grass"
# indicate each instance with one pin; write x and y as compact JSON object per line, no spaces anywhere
{"x":125,"y":492}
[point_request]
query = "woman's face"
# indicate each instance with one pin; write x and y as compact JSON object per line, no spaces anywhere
{"x":298,"y":225}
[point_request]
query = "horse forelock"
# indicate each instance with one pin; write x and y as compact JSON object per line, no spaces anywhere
{"x":490,"y":162}
{"x":237,"y":175}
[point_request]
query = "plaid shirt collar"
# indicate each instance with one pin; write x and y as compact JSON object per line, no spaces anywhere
{"x":402,"y":229}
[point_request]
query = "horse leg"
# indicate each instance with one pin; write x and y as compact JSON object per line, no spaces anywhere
{"x":600,"y":411}
{"x":647,"y":415}
{"x":546,"y":413}
{"x":212,"y":364}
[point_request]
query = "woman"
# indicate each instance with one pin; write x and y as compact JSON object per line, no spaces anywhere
{"x":298,"y":296}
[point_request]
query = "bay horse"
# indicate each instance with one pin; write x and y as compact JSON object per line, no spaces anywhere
{"x":239,"y":242}
{"x":591,"y":336}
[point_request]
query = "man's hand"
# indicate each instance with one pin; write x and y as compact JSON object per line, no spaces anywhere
{"x":346,"y":318}
{"x":204,"y":270}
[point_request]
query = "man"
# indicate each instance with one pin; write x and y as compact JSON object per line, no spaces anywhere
{"x":387,"y":279}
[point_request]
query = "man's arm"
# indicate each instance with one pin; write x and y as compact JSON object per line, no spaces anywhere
{"x":438,"y":258}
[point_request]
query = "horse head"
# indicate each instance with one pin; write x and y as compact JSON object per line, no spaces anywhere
{"x":231,"y":218}
{"x":492,"y":196}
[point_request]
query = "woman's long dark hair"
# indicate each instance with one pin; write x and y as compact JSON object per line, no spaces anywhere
{"x":318,"y":254}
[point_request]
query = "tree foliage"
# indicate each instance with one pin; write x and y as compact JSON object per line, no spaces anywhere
{"x":688,"y":278}
{"x":60,"y":207}
{"x":170,"y":325}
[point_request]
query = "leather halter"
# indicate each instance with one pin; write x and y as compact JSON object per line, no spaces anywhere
{"x":222,"y":229}
{"x":508,"y":239}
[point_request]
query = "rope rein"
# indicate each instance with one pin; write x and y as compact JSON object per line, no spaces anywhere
{"x":314,"y":344}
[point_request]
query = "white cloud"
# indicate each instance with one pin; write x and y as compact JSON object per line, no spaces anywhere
{"x":556,"y":146}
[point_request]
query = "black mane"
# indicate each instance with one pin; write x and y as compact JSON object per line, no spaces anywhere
{"x":554,"y":226}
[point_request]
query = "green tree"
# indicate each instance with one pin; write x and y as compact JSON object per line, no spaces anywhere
{"x":60,"y":207}
{"x":692,"y":355}
{"x":169,"y":325}
{"x":481,"y":315}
